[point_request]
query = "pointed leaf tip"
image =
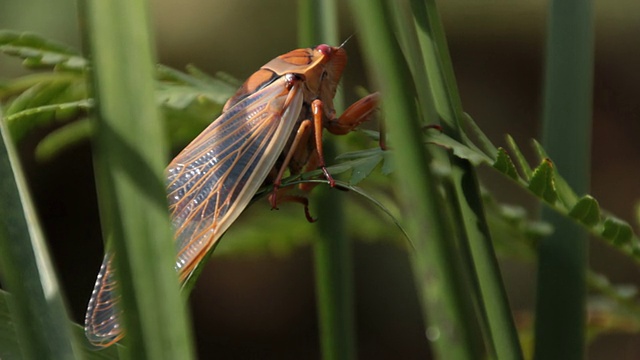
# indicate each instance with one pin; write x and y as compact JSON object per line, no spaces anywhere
{"x":542,"y":182}
{"x":505,"y":165}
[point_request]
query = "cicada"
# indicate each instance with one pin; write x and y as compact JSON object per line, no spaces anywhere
{"x":272,"y":124}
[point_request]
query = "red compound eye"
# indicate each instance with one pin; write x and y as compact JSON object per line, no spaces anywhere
{"x":324,"y":49}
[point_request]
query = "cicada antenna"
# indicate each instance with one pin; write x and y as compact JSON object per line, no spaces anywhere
{"x":345,"y":42}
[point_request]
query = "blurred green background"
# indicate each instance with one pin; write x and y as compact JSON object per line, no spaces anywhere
{"x":261,"y":304}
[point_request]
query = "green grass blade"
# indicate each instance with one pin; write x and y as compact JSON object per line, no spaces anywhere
{"x":493,"y":305}
{"x":436,"y":264}
{"x":40,"y":318}
{"x":560,"y":303}
{"x":332,"y":250}
{"x":130,"y":157}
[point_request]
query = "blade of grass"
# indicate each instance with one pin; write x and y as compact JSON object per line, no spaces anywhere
{"x":493,"y":303}
{"x":332,"y":250}
{"x":130,"y":156}
{"x":39,"y":314}
{"x":562,"y":261}
{"x":436,"y":265}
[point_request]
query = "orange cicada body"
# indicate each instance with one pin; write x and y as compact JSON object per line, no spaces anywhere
{"x":274,"y":122}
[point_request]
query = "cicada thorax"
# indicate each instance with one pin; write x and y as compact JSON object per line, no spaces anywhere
{"x":320,"y":69}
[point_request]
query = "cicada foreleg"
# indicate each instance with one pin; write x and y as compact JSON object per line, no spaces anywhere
{"x":359,"y":112}
{"x":353,"y":116}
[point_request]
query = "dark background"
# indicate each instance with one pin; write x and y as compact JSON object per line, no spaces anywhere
{"x":261,"y":304}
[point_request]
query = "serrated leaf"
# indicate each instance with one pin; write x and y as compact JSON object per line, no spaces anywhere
{"x":522,"y":161}
{"x":542,"y":182}
{"x":565,"y":193}
{"x":504,"y":164}
{"x":617,"y":231}
{"x":586,"y":210}
{"x":39,"y":52}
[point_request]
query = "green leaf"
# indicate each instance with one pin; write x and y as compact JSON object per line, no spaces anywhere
{"x":565,"y":193}
{"x":504,"y":164}
{"x":363,"y":167}
{"x":617,"y":231}
{"x":486,"y":144}
{"x":586,"y":210}
{"x":10,"y":348}
{"x":388,"y":163}
{"x":460,"y":150}
{"x":60,"y":139}
{"x":522,"y":161}
{"x":37,"y":305}
{"x":45,"y":103}
{"x":542,"y":182}
{"x":215,"y":89}
{"x":39,"y":52}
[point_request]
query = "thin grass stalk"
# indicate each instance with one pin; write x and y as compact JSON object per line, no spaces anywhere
{"x":36,"y":303}
{"x":130,"y":156}
{"x":483,"y":269}
{"x":332,"y":250}
{"x":562,"y":262}
{"x":436,"y":266}
{"x":408,"y":38}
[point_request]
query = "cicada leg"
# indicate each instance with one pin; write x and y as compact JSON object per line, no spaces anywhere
{"x":353,"y":116}
{"x":278,"y":194}
{"x":359,"y":112}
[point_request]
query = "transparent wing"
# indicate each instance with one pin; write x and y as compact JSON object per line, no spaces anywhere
{"x":213,"y":179}
{"x":208,"y":185}
{"x":101,"y":321}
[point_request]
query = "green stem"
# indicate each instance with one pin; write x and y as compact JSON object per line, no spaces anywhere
{"x":332,"y":250}
{"x":36,"y":304}
{"x":130,"y":157}
{"x":437,"y":267}
{"x":482,"y":266}
{"x":560,"y":305}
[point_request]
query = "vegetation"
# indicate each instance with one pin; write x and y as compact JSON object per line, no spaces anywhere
{"x":430,"y":194}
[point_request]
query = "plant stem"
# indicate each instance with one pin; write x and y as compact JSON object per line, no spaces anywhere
{"x":562,"y":261}
{"x":332,"y":250}
{"x":130,"y":157}
{"x":437,"y":268}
